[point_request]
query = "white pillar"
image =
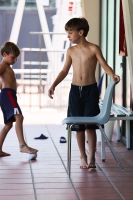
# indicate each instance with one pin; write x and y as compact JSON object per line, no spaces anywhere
{"x":44,"y":24}
{"x":127,"y":13}
{"x":91,"y":11}
{"x":17,"y":21}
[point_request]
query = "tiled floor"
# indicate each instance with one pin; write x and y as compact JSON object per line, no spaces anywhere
{"x":46,"y":177}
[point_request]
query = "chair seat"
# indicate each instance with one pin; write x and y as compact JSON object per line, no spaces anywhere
{"x":83,"y":120}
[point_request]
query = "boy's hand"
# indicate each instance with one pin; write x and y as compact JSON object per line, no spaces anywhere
{"x":51,"y":92}
{"x":115,"y":77}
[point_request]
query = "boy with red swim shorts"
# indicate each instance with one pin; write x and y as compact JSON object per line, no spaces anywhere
{"x":8,"y":99}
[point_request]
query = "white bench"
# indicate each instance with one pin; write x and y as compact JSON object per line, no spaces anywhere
{"x":121,"y":113}
{"x":126,"y":115}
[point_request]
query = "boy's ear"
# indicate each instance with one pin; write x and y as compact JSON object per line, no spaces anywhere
{"x":81,"y":32}
{"x":4,"y":54}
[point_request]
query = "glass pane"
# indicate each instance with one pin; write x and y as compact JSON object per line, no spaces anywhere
{"x":28,"y":4}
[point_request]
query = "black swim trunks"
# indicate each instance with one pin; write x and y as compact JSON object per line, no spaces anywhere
{"x":9,"y":105}
{"x":83,"y":101}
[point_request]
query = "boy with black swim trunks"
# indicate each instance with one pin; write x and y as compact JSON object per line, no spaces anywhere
{"x":83,"y":97}
{"x":8,"y":99}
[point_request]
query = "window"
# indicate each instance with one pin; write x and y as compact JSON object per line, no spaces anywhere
{"x":28,"y":4}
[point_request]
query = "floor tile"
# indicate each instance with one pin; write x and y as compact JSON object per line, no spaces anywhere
{"x":46,"y":177}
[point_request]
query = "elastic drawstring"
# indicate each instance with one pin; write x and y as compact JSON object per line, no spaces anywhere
{"x":80,"y":91}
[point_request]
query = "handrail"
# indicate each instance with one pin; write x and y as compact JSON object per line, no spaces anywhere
{"x":43,"y":50}
{"x":33,"y":71}
{"x":50,"y":33}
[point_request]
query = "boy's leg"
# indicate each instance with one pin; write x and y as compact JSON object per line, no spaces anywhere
{"x":3,"y":134}
{"x":92,"y":146}
{"x":19,"y":131}
{"x":81,"y":143}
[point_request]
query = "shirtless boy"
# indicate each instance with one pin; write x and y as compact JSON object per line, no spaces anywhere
{"x":8,"y":99}
{"x":83,"y":97}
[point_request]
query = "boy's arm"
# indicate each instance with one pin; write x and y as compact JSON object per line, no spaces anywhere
{"x":61,"y":75}
{"x":105,"y":66}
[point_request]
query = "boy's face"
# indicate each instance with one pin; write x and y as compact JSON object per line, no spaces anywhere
{"x":9,"y":58}
{"x":74,"y":35}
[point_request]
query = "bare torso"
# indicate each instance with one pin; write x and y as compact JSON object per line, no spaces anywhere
{"x":84,"y":64}
{"x":8,"y":78}
{"x":83,"y":58}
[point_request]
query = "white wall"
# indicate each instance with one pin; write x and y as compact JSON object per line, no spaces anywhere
{"x":91,"y":11}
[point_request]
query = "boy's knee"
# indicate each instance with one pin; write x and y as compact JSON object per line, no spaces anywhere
{"x":91,"y":131}
{"x":19,"y":117}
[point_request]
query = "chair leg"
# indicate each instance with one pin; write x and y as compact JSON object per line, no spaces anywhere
{"x":103,"y":155}
{"x":128,"y":134}
{"x":69,"y":151}
{"x":118,"y":130}
{"x":110,"y":146}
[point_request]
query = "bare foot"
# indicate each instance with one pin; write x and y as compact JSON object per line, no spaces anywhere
{"x":84,"y":164}
{"x":2,"y":154}
{"x":26,"y":149}
{"x":92,"y":164}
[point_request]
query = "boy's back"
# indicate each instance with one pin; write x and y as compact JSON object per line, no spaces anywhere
{"x":8,"y":78}
{"x":9,"y":52}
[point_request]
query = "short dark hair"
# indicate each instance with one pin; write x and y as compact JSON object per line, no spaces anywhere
{"x":9,"y":47}
{"x":78,"y":24}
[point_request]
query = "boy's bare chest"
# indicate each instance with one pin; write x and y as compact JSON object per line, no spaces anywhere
{"x":81,"y":58}
{"x":10,"y":72}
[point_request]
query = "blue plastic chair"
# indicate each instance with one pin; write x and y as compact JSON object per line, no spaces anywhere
{"x":98,"y":120}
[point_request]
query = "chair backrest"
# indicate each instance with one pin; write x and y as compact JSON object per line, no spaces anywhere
{"x":99,"y":85}
{"x":107,"y":102}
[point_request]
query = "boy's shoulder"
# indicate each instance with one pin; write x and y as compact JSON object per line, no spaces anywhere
{"x":3,"y":67}
{"x":94,"y":48}
{"x":2,"y":64}
{"x":92,"y":45}
{"x":89,"y":44}
{"x":70,"y":50}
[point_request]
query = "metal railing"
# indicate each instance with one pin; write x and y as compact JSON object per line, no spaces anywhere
{"x":42,"y":72}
